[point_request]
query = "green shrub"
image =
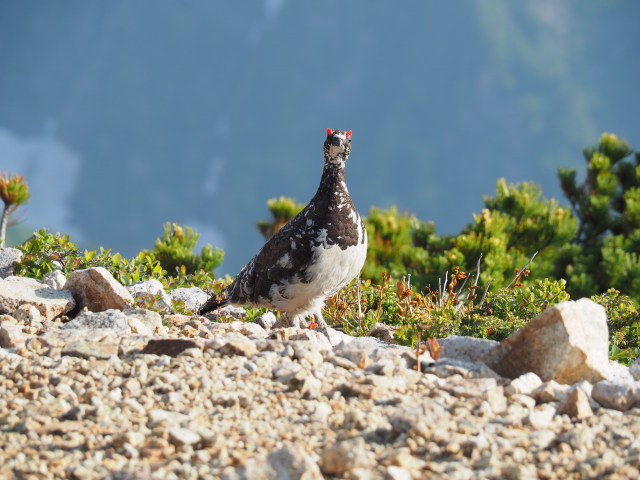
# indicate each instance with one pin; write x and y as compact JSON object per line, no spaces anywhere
{"x":14,"y":191}
{"x":174,"y":251}
{"x":282,"y":210}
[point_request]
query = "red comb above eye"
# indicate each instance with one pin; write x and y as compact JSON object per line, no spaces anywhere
{"x":329,"y":131}
{"x":349,"y":133}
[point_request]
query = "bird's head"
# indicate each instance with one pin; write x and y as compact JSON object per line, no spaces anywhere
{"x":337,"y":146}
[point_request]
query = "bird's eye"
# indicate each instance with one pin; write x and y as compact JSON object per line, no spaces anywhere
{"x":329,"y":132}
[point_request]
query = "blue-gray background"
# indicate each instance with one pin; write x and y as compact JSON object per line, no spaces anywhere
{"x":124,"y":115}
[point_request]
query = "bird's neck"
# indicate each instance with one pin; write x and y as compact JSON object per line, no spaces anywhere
{"x":332,"y":181}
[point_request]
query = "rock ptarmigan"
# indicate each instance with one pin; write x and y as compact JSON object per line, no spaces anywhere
{"x":313,"y":256}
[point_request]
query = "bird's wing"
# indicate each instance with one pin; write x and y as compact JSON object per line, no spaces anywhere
{"x":283,"y":256}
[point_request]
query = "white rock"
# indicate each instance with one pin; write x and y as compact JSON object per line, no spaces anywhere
{"x":8,"y":258}
{"x":192,"y":298}
{"x":150,"y":319}
{"x":566,"y":343}
{"x":149,"y":290}
{"x":541,"y":416}
{"x":396,"y":473}
{"x":97,"y":290}
{"x":183,"y":436}
{"x":12,"y":335}
{"x":55,"y":279}
{"x":16,"y":291}
{"x":634,"y":369}
{"x":267,"y":320}
{"x":525,"y":384}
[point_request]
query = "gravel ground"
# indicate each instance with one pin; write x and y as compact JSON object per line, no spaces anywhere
{"x":245,"y":404}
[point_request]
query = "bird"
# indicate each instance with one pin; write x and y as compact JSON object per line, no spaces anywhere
{"x":319,"y":251}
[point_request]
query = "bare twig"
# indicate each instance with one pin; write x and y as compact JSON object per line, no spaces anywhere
{"x":359,"y":303}
{"x":484,"y":293}
{"x":521,"y":271}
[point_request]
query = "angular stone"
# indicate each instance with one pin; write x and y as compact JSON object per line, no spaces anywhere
{"x":237,"y":346}
{"x":150,"y":319}
{"x":169,"y":346}
{"x":383,"y":332}
{"x":149,"y":291}
{"x":101,"y":351}
{"x":525,"y":384}
{"x":55,"y":279}
{"x":12,"y":335}
{"x":314,"y":336}
{"x":346,"y":455}
{"x":566,"y":343}
{"x":113,"y":319}
{"x":467,"y":349}
{"x":27,"y":314}
{"x":617,"y":395}
{"x":192,"y":298}
{"x":8,"y":258}
{"x":97,"y":290}
{"x":229,"y":311}
{"x":292,"y":461}
{"x":576,"y":405}
{"x":266,"y":320}
{"x":550,"y":391}
{"x":183,"y":436}
{"x":541,"y":416}
{"x":16,"y":291}
{"x":634,"y":369}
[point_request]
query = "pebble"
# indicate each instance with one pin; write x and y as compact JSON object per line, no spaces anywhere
{"x":235,"y":402}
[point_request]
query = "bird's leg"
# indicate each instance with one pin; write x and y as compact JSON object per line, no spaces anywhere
{"x":319,"y":319}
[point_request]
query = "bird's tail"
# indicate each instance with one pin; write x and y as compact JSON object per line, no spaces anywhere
{"x":212,"y":304}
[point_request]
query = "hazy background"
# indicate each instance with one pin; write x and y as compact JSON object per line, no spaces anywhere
{"x":127,"y":114}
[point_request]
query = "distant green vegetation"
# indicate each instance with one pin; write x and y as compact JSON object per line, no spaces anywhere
{"x":521,"y":254}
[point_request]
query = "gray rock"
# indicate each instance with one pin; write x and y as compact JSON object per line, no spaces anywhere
{"x":17,"y":291}
{"x":467,"y":349}
{"x":346,"y":455}
{"x":89,"y":349}
{"x":235,"y":346}
{"x":151,"y":320}
{"x":149,"y":291}
{"x":55,"y":279}
{"x":289,"y":462}
{"x":619,"y":372}
{"x":192,"y":298}
{"x":27,"y":315}
{"x":567,"y":343}
{"x":8,"y":258}
{"x":97,"y":290}
{"x":229,"y":311}
{"x":113,"y":319}
{"x":266,"y":320}
{"x":615,"y":394}
{"x":634,"y":369}
{"x":292,"y":461}
{"x":169,"y":346}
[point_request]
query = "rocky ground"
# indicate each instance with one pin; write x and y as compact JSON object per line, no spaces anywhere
{"x":124,"y":393}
